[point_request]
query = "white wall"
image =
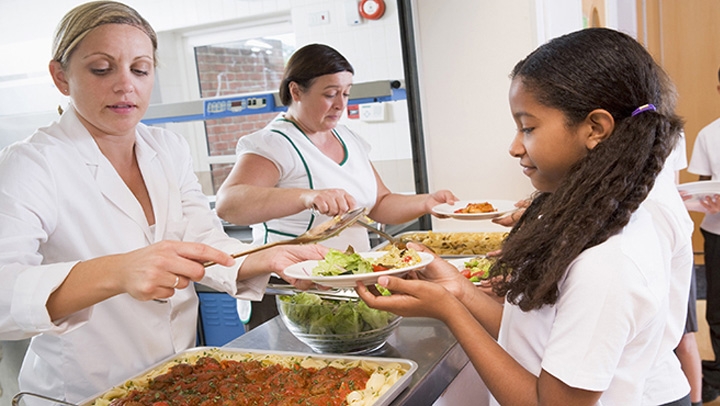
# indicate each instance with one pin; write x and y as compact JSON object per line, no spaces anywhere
{"x":467,"y":50}
{"x":373,"y":47}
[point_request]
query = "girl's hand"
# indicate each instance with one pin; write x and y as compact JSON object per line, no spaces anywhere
{"x":330,"y":202}
{"x":511,"y":219}
{"x":442,"y":273}
{"x":410,"y":298}
{"x":486,"y":287}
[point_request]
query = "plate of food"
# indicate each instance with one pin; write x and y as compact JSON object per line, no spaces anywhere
{"x":476,"y":269}
{"x":698,"y":191}
{"x":343,"y":269}
{"x":478,"y":209}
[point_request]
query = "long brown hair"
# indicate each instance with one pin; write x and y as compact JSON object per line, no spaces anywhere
{"x":595,"y":68}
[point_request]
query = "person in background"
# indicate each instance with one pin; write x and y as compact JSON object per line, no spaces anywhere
{"x":687,"y":350}
{"x":304,"y":167}
{"x":595,"y":302}
{"x":103,"y":224}
{"x":705,"y":162}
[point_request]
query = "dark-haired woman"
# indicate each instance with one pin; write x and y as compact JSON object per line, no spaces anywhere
{"x":304,"y":167}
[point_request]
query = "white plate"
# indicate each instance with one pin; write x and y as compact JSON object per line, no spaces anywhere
{"x":503,"y":207}
{"x":698,"y":190}
{"x":303,"y":271}
{"x":459,"y":263}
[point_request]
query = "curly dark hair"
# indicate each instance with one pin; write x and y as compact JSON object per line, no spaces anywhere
{"x":591,"y":69}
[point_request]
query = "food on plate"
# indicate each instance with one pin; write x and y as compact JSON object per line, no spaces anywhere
{"x":350,"y":262}
{"x":250,"y":379}
{"x":457,"y":243}
{"x":484,"y":207}
{"x":477,"y":269}
{"x":321,"y":316}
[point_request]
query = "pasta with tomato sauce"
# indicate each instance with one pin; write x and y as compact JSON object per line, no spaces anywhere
{"x":216,"y":377}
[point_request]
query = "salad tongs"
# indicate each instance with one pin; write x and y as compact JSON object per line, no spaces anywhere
{"x":332,"y":294}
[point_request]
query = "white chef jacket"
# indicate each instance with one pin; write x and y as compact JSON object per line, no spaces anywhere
{"x":61,"y":201}
{"x":302,"y":165}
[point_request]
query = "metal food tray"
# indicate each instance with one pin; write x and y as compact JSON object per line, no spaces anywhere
{"x":406,"y":236}
{"x":402,"y":383}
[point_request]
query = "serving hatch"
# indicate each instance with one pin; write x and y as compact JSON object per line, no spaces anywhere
{"x":389,"y":376}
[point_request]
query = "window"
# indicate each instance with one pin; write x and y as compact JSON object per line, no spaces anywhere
{"x":240,"y":61}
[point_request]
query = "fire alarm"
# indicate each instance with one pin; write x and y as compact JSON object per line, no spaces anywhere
{"x":372,"y":9}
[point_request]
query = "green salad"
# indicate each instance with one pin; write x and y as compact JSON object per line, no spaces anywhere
{"x":342,"y":263}
{"x":349,"y":262}
{"x":314,"y":315}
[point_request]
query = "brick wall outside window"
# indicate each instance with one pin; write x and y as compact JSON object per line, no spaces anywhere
{"x":230,"y":69}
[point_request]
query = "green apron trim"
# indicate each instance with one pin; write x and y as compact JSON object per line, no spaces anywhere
{"x":334,"y":131}
{"x":310,"y":184}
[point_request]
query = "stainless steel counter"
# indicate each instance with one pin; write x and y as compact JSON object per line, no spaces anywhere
{"x":425,"y":341}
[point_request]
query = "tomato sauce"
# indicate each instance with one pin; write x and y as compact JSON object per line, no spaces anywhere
{"x":247,"y":383}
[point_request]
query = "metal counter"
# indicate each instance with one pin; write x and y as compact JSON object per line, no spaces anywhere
{"x":425,"y":341}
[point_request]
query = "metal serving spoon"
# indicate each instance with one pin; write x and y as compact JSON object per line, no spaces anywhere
{"x":321,"y":232}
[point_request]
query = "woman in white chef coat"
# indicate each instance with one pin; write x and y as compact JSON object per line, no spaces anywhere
{"x":99,"y":215}
{"x":304,"y":167}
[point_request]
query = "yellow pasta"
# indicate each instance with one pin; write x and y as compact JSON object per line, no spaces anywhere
{"x":457,"y":243}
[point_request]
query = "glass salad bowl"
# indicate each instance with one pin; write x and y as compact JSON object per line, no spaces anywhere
{"x":336,"y":326}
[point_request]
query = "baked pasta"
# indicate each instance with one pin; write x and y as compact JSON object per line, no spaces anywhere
{"x":457,"y":243}
{"x":216,"y":377}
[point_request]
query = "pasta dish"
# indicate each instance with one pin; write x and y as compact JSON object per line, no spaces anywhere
{"x":244,"y":378}
{"x":456,"y":243}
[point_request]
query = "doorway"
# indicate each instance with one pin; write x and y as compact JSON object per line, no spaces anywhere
{"x":683,"y":38}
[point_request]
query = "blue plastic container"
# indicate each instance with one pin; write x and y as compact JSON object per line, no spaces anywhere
{"x":219,"y":322}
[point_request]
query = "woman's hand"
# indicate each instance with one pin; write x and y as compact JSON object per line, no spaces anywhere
{"x":276,"y":259}
{"x":154,"y":272}
{"x":330,"y":202}
{"x":439,"y":197}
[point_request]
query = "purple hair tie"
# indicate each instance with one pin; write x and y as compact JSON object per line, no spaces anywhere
{"x":643,"y":108}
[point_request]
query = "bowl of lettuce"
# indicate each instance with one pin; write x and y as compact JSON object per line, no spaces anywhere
{"x":336,"y":326}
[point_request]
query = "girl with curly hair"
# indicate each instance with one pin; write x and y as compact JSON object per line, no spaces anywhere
{"x":596,"y":272}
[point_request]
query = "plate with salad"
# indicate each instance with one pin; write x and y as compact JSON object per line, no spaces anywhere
{"x":343,"y":269}
{"x":476,"y":269}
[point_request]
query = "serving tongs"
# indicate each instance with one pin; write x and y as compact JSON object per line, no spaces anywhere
{"x":332,"y":294}
{"x":392,"y":240}
{"x":321,"y":232}
{"x":16,"y":399}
